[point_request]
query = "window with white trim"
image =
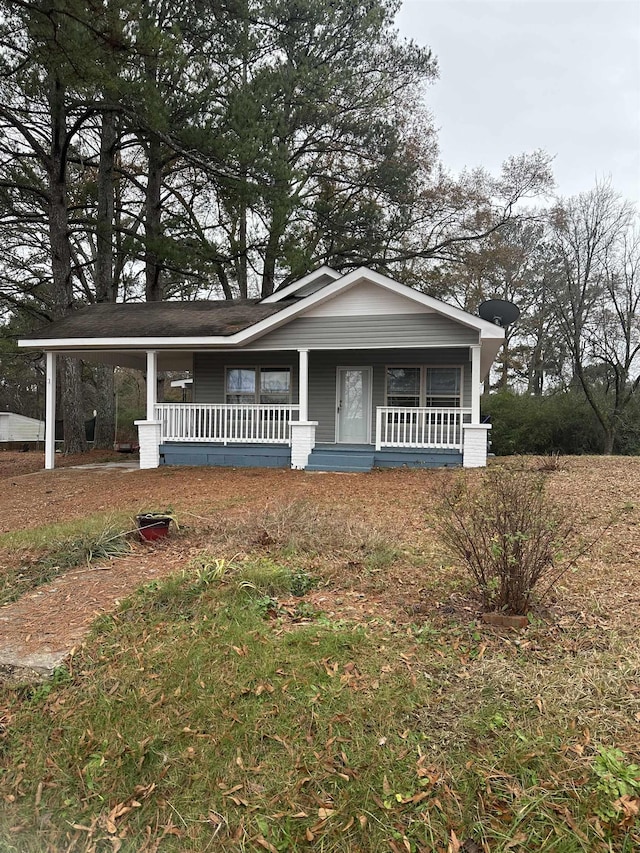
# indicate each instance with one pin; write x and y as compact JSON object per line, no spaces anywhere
{"x":443,"y":387}
{"x":403,"y":386}
{"x":424,"y":386}
{"x":269,"y":386}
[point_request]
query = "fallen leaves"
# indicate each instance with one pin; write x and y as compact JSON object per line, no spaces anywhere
{"x":629,"y":807}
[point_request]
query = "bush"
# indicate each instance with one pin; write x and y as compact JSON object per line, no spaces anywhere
{"x":562,"y":422}
{"x":507,"y":534}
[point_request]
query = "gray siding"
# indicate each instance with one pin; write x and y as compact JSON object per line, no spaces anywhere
{"x":209,"y":373}
{"x":398,"y":330}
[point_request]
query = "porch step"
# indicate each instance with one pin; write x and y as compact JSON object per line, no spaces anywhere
{"x":348,"y":460}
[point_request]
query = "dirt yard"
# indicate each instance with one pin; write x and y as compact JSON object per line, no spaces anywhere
{"x":55,"y":616}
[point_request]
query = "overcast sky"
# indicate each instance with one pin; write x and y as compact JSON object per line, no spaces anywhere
{"x":516,"y":75}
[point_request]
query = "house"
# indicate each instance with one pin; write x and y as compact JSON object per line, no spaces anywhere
{"x":19,"y":428}
{"x":333,"y":372}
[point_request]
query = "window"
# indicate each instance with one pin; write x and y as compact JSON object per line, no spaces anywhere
{"x":270,"y":386}
{"x":430,"y":387}
{"x":241,"y":385}
{"x":442,"y":387}
{"x":403,"y":386}
{"x":275,"y":386}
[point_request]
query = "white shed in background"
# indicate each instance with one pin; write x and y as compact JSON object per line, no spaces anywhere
{"x":20,"y":428}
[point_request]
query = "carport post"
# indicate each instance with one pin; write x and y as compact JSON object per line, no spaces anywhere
{"x":50,"y":413}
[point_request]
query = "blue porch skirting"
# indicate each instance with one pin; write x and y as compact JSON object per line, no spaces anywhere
{"x":333,"y":457}
{"x":231,"y":456}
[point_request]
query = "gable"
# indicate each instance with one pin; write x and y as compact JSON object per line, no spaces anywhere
{"x":366,"y":299}
{"x":375,"y":331}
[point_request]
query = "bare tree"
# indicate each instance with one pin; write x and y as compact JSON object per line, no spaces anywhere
{"x":595,"y":296}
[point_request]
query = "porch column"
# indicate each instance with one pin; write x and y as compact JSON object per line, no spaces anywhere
{"x":149,"y":437}
{"x":303,"y":383}
{"x":150,"y":430}
{"x":474,"y":447}
{"x":475,"y":384}
{"x":50,"y":413}
{"x":475,"y":434}
{"x":303,"y":440}
{"x":152,"y":382}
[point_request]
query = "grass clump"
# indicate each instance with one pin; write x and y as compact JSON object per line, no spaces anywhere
{"x":53,"y":549}
{"x":266,"y":577}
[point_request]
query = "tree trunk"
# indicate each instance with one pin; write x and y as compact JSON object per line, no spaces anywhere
{"x":279,"y":218}
{"x":281,"y":206}
{"x":106,"y":291}
{"x":71,"y":373}
{"x":75,"y":439}
{"x":152,"y":223}
{"x":224,"y":281}
{"x":242,"y":259}
{"x":535,"y":379}
{"x":609,"y":439}
{"x":503,"y":381}
{"x":105,"y":406}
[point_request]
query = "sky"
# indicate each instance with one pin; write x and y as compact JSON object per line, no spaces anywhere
{"x":517,"y":75}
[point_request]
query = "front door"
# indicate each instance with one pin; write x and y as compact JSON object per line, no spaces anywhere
{"x":353,"y":422}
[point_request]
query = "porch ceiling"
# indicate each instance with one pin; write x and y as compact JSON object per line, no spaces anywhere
{"x":182,"y":359}
{"x":176,"y":360}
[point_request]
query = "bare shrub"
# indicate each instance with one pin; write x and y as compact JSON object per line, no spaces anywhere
{"x":549,"y":463}
{"x":508,"y":534}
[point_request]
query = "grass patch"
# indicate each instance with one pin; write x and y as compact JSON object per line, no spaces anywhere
{"x":195,"y":719}
{"x":303,"y":528}
{"x":330,"y":544}
{"x":44,"y":552}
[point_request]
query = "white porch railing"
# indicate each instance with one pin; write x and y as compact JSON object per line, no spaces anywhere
{"x":226,"y":423}
{"x":414,"y":427}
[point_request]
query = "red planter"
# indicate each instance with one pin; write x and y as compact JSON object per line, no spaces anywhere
{"x":152,"y":527}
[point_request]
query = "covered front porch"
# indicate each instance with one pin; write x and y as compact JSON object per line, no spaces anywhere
{"x":336,"y":407}
{"x":335,"y":423}
{"x":261,"y":436}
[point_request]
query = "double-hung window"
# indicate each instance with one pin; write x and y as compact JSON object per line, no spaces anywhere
{"x":442,"y":387}
{"x":264,"y":385}
{"x":403,"y":386}
{"x":424,"y":386}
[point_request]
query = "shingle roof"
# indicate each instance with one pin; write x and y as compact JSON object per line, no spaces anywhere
{"x":160,"y":319}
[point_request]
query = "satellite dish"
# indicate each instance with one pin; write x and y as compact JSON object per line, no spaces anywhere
{"x":499,"y":311}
